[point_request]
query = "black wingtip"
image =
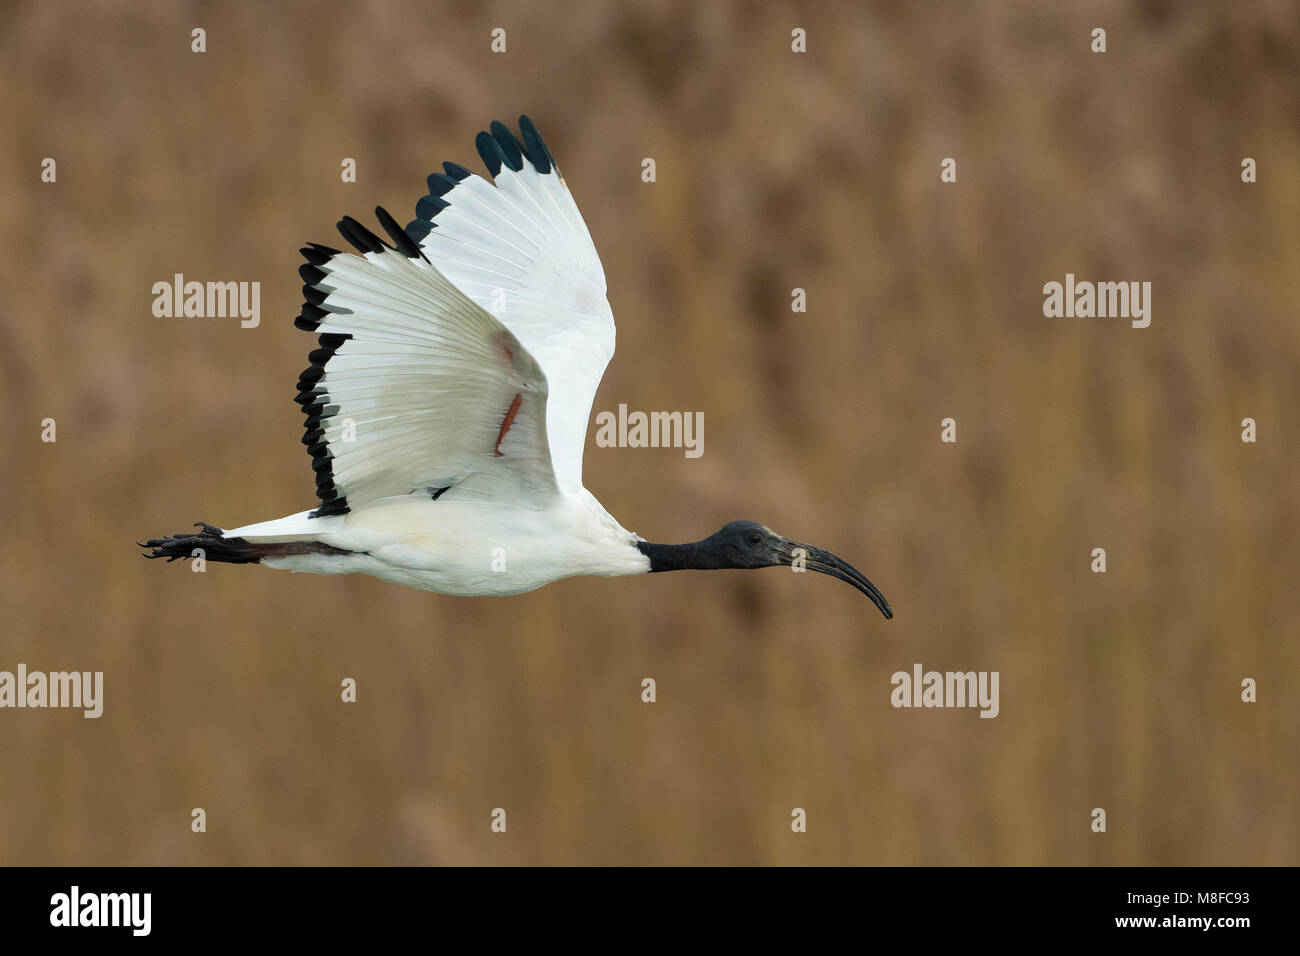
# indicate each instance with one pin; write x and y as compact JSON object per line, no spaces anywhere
{"x":401,"y":241}
{"x":419,"y":229}
{"x":440,"y":184}
{"x":334,"y":506}
{"x":511,"y":149}
{"x":361,"y":238}
{"x":535,"y":147}
{"x":430,"y":206}
{"x":311,"y":273}
{"x":490,"y":150}
{"x":456,"y":171}
{"x":316,"y":406}
{"x":316,"y":254}
{"x":311,"y":317}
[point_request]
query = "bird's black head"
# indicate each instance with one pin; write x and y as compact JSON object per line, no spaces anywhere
{"x":748,"y":544}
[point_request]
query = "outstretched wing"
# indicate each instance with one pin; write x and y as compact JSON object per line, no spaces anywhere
{"x":521,"y":251}
{"x":414,"y":387}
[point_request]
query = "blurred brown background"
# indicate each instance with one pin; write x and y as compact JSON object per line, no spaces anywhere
{"x":775,"y":171}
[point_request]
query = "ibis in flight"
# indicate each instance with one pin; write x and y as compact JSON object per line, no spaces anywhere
{"x":448,"y":398}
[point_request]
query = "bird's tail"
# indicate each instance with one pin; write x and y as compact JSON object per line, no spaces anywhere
{"x":215,"y":546}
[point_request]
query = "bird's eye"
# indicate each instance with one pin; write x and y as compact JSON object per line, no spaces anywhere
{"x":755,"y":537}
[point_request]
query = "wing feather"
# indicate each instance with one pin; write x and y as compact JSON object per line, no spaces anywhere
{"x":412,"y":383}
{"x":520,"y":250}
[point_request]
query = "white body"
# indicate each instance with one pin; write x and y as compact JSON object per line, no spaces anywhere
{"x":462,"y":545}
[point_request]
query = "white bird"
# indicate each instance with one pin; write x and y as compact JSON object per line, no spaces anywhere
{"x":447,"y":403}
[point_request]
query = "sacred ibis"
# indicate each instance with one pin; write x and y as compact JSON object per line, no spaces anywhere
{"x":447,"y":402}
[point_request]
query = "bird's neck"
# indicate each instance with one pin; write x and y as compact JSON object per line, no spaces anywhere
{"x":696,"y":556}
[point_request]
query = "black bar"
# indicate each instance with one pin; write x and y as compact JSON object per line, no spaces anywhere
{"x":980,"y":905}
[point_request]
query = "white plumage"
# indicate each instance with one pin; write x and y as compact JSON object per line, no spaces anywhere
{"x":448,"y":401}
{"x":507,"y":288}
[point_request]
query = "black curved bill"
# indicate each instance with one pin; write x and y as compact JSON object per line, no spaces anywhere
{"x":819,"y":559}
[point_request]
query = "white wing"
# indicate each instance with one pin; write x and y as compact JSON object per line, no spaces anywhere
{"x":521,"y":251}
{"x":415,"y":388}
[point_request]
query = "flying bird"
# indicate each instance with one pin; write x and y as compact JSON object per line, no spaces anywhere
{"x":448,"y":398}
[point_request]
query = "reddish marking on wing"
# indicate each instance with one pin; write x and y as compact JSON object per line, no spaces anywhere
{"x":505,"y":425}
{"x":504,"y":341}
